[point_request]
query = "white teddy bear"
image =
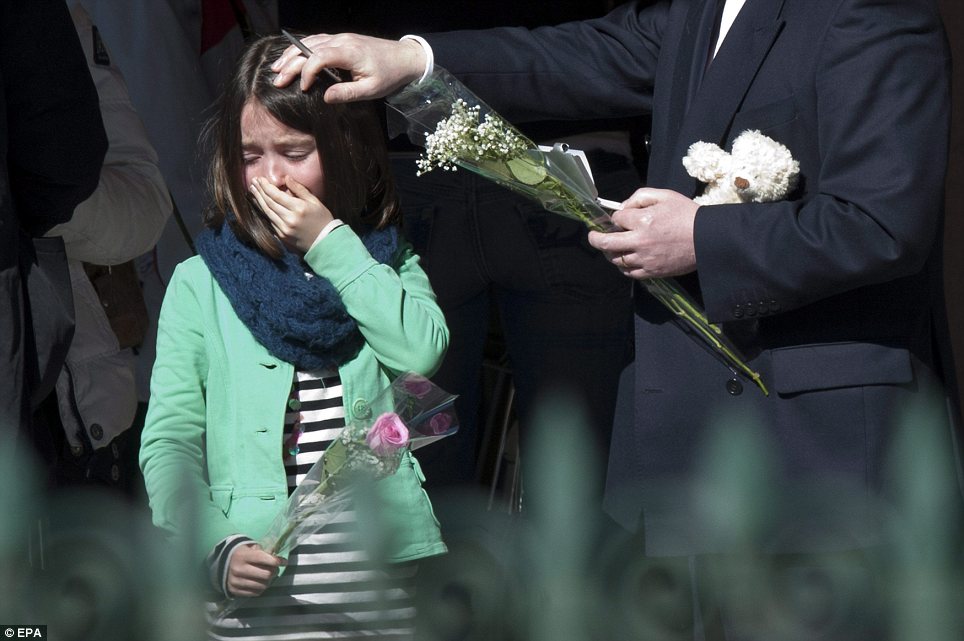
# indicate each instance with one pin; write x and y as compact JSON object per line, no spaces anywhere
{"x":759,"y":169}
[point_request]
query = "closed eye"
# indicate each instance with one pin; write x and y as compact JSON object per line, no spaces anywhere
{"x":298,"y":154}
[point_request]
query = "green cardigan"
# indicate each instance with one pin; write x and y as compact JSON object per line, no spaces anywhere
{"x":213,"y":432}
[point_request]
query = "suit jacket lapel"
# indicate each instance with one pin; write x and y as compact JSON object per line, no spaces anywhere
{"x":724,"y":85}
{"x":674,"y":79}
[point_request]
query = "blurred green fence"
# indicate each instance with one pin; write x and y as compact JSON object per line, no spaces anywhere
{"x":90,"y":566}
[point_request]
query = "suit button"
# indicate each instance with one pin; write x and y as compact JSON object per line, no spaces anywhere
{"x":763,"y":307}
{"x":360,"y":409}
{"x":734,"y":387}
{"x":774,"y":306}
{"x":737,"y":312}
{"x":750,"y":309}
{"x":97,"y":431}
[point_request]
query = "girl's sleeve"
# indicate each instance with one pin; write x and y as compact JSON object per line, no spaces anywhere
{"x":172,"y":454}
{"x":394,"y":305}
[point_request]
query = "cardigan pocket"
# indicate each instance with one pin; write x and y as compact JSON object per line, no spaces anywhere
{"x":221,"y":497}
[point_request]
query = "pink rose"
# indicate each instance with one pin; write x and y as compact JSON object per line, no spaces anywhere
{"x":387,"y":435}
{"x":440,"y":423}
{"x":417,"y":386}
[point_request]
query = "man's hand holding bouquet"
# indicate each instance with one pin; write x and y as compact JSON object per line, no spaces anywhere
{"x":458,"y":129}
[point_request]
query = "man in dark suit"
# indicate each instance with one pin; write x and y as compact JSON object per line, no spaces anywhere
{"x":833,"y":294}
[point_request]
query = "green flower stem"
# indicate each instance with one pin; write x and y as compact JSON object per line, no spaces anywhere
{"x":666,"y":291}
{"x":293,"y":523}
{"x":669,"y":294}
{"x":528,"y":173}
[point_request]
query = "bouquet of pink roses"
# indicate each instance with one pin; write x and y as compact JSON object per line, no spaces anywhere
{"x":364,"y":451}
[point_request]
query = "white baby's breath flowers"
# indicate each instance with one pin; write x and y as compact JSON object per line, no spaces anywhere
{"x":463,"y":136}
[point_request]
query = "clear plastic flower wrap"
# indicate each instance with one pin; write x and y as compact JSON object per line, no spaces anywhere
{"x":364,"y":451}
{"x":458,"y":129}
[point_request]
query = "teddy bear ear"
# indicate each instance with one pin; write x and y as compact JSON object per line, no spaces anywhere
{"x":705,"y":161}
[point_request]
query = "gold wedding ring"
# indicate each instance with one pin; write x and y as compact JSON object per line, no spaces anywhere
{"x":622,"y":258}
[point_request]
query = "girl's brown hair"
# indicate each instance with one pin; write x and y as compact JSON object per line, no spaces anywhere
{"x":359,"y":189}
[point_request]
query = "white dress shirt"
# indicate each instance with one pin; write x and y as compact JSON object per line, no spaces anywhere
{"x":730,"y":11}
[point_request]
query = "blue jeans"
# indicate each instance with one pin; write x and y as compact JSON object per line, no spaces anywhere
{"x":565,"y":312}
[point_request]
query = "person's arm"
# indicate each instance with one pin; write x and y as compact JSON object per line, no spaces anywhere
{"x":881,"y":128}
{"x":56,"y":137}
{"x":378,"y":67}
{"x":586,"y":69}
{"x":172,"y":454}
{"x":394,"y":306}
{"x":600,"y":68}
{"x":126,"y":214}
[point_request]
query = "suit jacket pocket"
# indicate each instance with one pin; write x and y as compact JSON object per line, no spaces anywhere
{"x":808,"y":368}
{"x":764,"y":117}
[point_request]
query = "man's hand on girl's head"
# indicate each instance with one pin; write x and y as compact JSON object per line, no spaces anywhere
{"x":378,"y":66}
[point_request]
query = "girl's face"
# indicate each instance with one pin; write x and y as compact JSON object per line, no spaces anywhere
{"x":273,"y":150}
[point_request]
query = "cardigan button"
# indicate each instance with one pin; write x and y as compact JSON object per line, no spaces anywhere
{"x":294,"y":404}
{"x":361,"y":409}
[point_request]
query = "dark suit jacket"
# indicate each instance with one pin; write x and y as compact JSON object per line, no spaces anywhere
{"x":833,"y":293}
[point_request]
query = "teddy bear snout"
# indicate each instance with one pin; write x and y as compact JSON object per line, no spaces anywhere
{"x":741,"y":183}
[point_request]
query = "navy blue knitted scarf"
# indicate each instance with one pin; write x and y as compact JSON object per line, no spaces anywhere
{"x":298,"y":319}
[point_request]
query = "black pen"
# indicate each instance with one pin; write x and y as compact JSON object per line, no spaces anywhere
{"x":305,"y":50}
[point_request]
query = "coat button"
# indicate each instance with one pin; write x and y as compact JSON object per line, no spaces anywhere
{"x":750,"y":309}
{"x":774,"y":306}
{"x":77,"y":450}
{"x":737,"y":311}
{"x":114,"y":473}
{"x":96,"y":431}
{"x":734,"y":387}
{"x":360,"y":408}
